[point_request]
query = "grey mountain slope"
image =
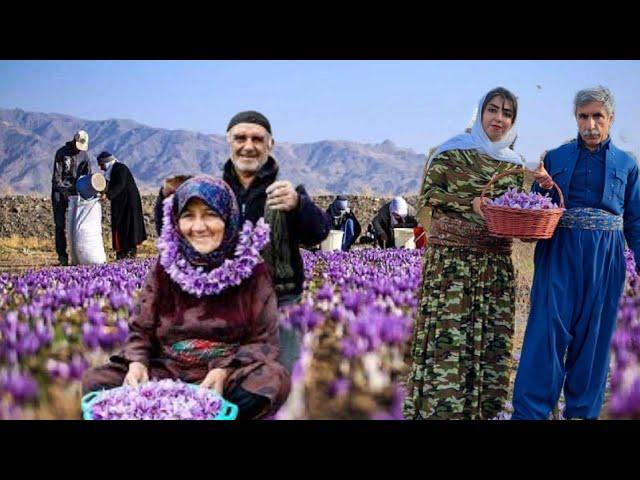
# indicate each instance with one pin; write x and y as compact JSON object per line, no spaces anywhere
{"x":28,"y":142}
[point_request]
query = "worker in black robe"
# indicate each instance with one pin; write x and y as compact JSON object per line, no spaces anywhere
{"x":127,"y":222}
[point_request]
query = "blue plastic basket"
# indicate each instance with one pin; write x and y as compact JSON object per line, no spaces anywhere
{"x":88,"y":186}
{"x":228,"y":410}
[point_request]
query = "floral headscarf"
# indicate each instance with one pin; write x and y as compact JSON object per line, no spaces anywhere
{"x":229,"y":264}
{"x":219,"y":197}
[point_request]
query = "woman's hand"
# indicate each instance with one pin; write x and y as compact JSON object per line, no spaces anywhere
{"x":215,"y":378}
{"x":542,"y":177}
{"x":476,"y":205}
{"x":137,"y":373}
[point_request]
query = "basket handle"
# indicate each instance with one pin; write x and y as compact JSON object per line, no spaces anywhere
{"x":511,"y":172}
{"x":87,"y":403}
{"x":228,"y":411}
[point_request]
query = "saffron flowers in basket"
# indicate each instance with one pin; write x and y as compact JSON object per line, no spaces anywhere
{"x":157,"y":400}
{"x":530,"y":201}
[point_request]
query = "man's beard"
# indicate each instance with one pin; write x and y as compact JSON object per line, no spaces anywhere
{"x":261,"y":161}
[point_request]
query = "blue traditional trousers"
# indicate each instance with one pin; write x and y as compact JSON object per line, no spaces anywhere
{"x":578,"y":280}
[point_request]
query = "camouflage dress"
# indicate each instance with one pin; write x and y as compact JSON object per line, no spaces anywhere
{"x":463,"y":332}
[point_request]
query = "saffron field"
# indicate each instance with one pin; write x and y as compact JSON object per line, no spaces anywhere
{"x":355,"y":319}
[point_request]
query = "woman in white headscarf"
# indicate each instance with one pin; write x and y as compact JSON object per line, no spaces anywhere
{"x":463,"y":331}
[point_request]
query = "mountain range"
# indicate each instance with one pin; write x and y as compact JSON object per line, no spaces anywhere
{"x":29,"y":140}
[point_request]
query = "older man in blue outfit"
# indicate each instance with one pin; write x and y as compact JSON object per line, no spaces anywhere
{"x":579,"y":272}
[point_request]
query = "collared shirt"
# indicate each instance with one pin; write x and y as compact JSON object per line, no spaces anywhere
{"x":587,"y":182}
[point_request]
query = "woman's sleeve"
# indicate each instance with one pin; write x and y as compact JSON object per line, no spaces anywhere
{"x":263,"y":342}
{"x":143,"y":323}
{"x":435,"y":187}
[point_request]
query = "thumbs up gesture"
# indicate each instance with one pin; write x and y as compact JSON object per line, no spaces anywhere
{"x":542,"y":177}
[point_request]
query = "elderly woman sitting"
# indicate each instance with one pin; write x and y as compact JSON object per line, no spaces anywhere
{"x":207,"y":313}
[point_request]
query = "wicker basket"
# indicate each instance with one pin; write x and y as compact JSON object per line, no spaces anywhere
{"x":519,"y":222}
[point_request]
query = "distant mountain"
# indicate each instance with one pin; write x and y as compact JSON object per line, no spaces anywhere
{"x":28,"y":142}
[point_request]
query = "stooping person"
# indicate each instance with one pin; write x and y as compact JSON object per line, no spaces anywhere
{"x":343,"y":219}
{"x":127,"y":222}
{"x":396,"y":213}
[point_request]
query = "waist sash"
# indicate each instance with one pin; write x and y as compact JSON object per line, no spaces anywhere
{"x":590,"y":219}
{"x":197,"y":351}
{"x":452,"y":232}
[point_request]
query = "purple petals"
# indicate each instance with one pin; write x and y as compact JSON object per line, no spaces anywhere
{"x":157,"y":400}
{"x":513,"y":198}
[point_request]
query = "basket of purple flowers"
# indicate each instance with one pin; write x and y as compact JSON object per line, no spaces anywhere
{"x":157,"y":400}
{"x":521,"y":215}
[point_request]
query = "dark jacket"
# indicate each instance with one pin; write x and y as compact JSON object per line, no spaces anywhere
{"x":337,"y":222}
{"x":307,"y":225}
{"x":127,"y":222}
{"x":157,"y":212}
{"x":69,"y":164}
{"x":381,"y":223}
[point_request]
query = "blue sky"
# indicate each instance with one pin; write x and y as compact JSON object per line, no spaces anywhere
{"x":415,"y":104}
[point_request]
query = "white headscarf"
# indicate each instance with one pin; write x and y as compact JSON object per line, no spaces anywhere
{"x":107,"y":172}
{"x":399,"y":205}
{"x":478,"y":140}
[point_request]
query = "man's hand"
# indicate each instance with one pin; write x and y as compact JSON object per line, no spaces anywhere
{"x":282,"y":196}
{"x":477,"y":202}
{"x":215,"y":378}
{"x":138,"y":373}
{"x":103,"y":197}
{"x":542,"y":177}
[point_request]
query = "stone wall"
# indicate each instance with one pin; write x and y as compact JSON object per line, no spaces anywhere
{"x":26,"y":216}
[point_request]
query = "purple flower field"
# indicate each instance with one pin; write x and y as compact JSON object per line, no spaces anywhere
{"x":355,"y":320}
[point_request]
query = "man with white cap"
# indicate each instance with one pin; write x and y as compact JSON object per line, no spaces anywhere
{"x":394,"y":214}
{"x":71,"y":162}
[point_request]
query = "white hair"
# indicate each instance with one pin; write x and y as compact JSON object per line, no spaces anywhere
{"x":598,"y":94}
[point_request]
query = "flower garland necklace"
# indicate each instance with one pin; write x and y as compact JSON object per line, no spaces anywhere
{"x":195,"y":280}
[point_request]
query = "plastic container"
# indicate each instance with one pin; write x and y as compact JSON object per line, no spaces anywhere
{"x":90,"y":185}
{"x":333,"y":241}
{"x":420,"y":237}
{"x":228,"y":410}
{"x":404,"y":238}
